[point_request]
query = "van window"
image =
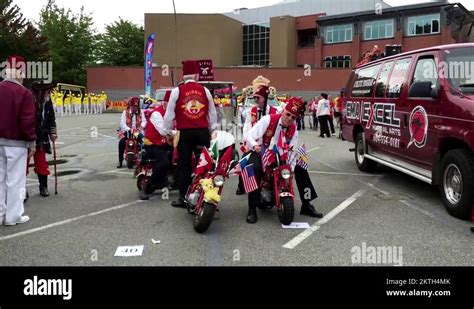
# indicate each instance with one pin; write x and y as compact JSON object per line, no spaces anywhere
{"x":398,"y":78}
{"x":364,"y":81}
{"x":383,"y":79}
{"x":425,"y":70}
{"x":460,"y":68}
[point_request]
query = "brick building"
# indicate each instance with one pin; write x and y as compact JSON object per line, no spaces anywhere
{"x":303,"y":54}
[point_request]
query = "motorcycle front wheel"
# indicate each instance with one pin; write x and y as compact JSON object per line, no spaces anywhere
{"x":203,"y":219}
{"x":130,"y":160}
{"x":286,"y":212}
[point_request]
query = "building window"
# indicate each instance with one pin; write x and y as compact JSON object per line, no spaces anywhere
{"x":378,"y":29}
{"x":339,"y":33}
{"x":425,"y":24}
{"x":306,"y":38}
{"x":256,"y":44}
{"x":337,"y":62}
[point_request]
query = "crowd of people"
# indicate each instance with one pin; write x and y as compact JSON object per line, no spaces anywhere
{"x":67,"y":102}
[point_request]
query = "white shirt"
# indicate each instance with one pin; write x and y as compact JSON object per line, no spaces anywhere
{"x":157,"y":120}
{"x":123,"y":122}
{"x":248,"y":118}
{"x":323,"y":107}
{"x":254,"y":135}
{"x":170,"y":114}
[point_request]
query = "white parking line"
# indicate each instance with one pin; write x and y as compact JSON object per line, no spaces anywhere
{"x":44,"y":227}
{"x":306,"y":233}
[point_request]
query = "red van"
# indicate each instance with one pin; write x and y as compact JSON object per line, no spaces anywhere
{"x":414,"y":112}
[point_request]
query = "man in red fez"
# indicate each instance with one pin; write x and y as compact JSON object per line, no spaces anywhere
{"x":192,"y":106}
{"x":17,"y":141}
{"x":266,"y":133}
{"x":157,"y":147}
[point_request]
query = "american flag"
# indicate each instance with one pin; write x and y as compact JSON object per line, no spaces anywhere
{"x":268,"y":158}
{"x":248,"y":178}
{"x":303,"y":157}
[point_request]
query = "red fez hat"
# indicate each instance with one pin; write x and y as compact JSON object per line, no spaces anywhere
{"x":190,"y":67}
{"x":134,"y":101}
{"x":295,"y":106}
{"x":14,"y":61}
{"x":262,"y":91}
{"x":166,"y":98}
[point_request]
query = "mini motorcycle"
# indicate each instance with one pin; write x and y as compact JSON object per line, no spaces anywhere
{"x":217,"y":171}
{"x":277,"y":189}
{"x":144,"y":170}
{"x":132,"y":149}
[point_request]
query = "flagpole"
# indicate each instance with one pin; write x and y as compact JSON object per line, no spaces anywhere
{"x":175,"y":44}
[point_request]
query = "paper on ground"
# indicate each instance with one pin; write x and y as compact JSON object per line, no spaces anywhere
{"x":296,"y":225}
{"x":129,"y":251}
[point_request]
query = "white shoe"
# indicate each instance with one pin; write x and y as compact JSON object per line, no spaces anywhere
{"x":23,"y":219}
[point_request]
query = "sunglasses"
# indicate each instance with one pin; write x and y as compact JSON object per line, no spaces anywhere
{"x":291,"y":116}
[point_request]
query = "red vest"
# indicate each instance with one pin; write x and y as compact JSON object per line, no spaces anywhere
{"x":192,"y":107}
{"x":267,"y":137}
{"x":151,"y":133}
{"x":254,"y":113}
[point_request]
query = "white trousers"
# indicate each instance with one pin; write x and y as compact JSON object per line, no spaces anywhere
{"x":12,"y":183}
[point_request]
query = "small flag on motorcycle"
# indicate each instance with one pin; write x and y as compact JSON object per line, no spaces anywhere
{"x":215,"y":151}
{"x":268,"y":158}
{"x":248,"y":178}
{"x":303,"y":157}
{"x":204,"y":163}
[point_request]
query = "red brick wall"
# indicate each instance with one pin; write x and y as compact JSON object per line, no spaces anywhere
{"x":305,"y":56}
{"x":293,"y":79}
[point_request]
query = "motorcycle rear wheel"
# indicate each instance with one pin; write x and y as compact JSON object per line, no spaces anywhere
{"x":286,"y":212}
{"x":203,"y":219}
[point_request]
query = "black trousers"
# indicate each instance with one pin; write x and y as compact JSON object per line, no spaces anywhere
{"x":161,"y":163}
{"x":303,"y":183}
{"x":323,"y":120}
{"x":315,"y":121}
{"x":189,"y":140}
{"x":331,"y":123}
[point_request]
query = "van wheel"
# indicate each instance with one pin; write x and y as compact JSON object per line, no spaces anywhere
{"x":457,"y":181}
{"x":364,"y":164}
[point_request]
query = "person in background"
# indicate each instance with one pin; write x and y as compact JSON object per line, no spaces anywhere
{"x":331,"y":116}
{"x":323,"y":115}
{"x":133,"y":119}
{"x":45,"y":131}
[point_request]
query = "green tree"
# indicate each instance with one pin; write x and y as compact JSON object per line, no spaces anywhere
{"x":71,"y":42}
{"x":122,"y":44}
{"x":19,"y":36}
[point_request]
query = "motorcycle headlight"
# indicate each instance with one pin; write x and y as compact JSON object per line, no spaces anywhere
{"x":219,"y":181}
{"x":285,"y":173}
{"x":130,"y":144}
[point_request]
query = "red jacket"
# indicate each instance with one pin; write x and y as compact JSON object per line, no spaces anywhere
{"x":17,"y":115}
